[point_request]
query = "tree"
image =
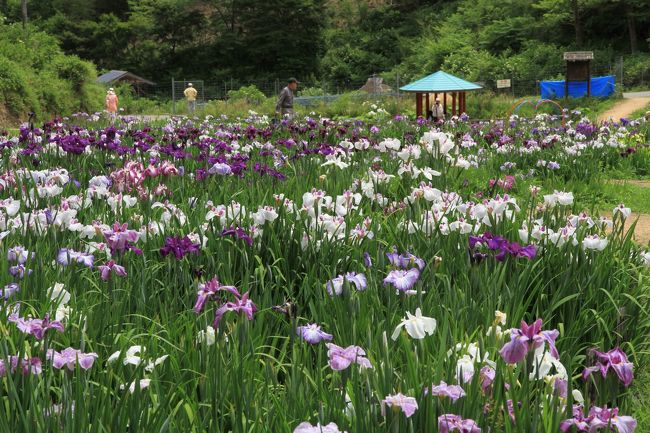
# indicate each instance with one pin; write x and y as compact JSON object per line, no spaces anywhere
{"x":23,"y":8}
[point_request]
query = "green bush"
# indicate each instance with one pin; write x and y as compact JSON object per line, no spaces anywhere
{"x":36,"y":76}
{"x":250,"y":94}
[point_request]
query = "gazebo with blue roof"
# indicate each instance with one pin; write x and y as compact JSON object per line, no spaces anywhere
{"x":440,"y":82}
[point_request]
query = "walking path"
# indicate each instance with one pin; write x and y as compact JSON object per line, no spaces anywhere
{"x":631,"y":102}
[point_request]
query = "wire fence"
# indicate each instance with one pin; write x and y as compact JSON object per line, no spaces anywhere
{"x":311,"y":92}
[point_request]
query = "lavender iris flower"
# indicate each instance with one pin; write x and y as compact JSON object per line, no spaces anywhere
{"x":110,"y":266}
{"x":9,"y":290}
{"x":240,"y":305}
{"x":28,"y":365}
{"x":407,"y":404}
{"x":209,"y":290}
{"x":454,"y":423}
{"x":340,"y":358}
{"x":36,"y":327}
{"x":19,"y":255}
{"x":598,"y":418}
{"x":405,"y":261}
{"x":70,"y":357}
{"x":312,"y":334}
{"x":335,"y":285}
{"x":487,"y":376}
{"x":19,"y":271}
{"x":402,"y":280}
{"x":443,"y":390}
{"x":615,"y":359}
{"x":220,"y":168}
{"x":526,"y":338}
{"x":67,"y":256}
{"x":120,"y":237}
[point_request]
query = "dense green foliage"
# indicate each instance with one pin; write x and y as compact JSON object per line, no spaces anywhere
{"x":36,"y":76}
{"x":345,"y":41}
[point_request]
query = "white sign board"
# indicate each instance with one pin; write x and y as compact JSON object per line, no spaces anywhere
{"x":502,"y":84}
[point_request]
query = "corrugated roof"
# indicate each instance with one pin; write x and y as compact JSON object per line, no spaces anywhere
{"x":440,"y":82}
{"x":113,"y":76}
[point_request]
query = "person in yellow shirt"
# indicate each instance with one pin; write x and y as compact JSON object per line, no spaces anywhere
{"x":190,"y":95}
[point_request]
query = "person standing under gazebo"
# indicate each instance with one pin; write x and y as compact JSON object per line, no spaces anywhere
{"x":438,"y":111}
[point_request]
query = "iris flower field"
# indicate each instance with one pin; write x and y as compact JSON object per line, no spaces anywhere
{"x":320,"y":276}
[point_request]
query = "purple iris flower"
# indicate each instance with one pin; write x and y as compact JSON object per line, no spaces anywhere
{"x":312,"y":334}
{"x":67,"y":256}
{"x":28,"y":365}
{"x":240,"y":305}
{"x":402,"y":280}
{"x":367,"y":260}
{"x":36,"y":327}
{"x":179,"y":246}
{"x":209,"y":290}
{"x":615,"y":359}
{"x":70,"y":357}
{"x":19,"y":271}
{"x":454,"y":423}
{"x":561,"y":388}
{"x":404,"y":261}
{"x":238,"y":233}
{"x":340,"y":358}
{"x":110,"y":266}
{"x":443,"y":390}
{"x":527,"y":338}
{"x":529,"y":251}
{"x":9,"y":290}
{"x":19,"y":255}
{"x":120,"y":237}
{"x":501,"y":246}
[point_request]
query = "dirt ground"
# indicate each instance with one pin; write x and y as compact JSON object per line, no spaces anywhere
{"x":642,"y":229}
{"x":641,"y":183}
{"x":624,"y":108}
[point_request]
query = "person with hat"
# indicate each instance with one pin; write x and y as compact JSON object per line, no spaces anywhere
{"x":111,"y":103}
{"x":190,"y":96}
{"x":284,"y":107}
{"x":438,"y":111}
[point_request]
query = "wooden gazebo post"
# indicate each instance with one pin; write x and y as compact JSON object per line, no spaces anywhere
{"x":426,"y":113}
{"x":418,"y":104}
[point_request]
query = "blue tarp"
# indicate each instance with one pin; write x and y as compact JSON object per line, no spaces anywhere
{"x":600,"y":87}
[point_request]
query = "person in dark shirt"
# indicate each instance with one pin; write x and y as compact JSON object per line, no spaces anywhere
{"x":284,"y":107}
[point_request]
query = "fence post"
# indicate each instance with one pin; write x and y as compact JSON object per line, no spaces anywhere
{"x":397,"y":78}
{"x":622,"y":86}
{"x":173,"y":97}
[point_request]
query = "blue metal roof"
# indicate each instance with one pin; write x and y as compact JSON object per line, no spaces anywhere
{"x":440,"y":82}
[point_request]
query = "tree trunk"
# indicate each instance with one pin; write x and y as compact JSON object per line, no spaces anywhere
{"x":24,"y":9}
{"x":577,"y":22}
{"x":631,"y":27}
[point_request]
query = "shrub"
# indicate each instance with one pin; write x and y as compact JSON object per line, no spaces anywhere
{"x":250,"y":94}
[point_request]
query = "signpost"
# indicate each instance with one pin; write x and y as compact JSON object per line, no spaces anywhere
{"x":503,"y":84}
